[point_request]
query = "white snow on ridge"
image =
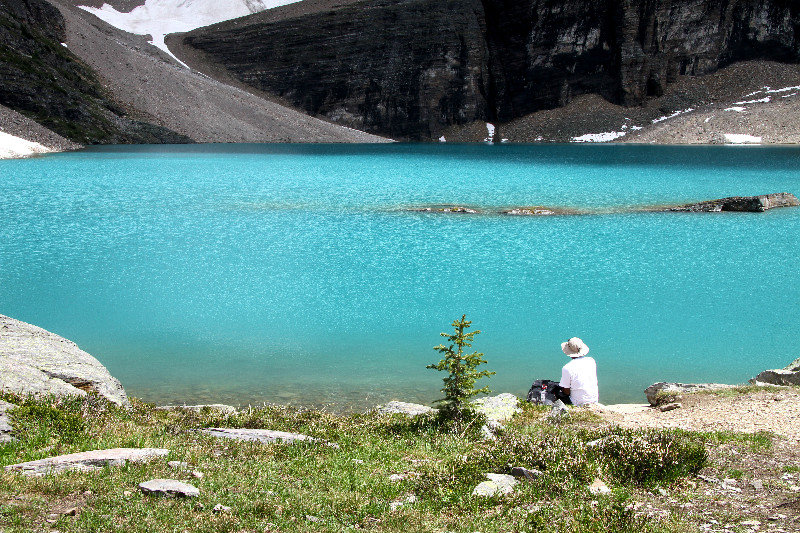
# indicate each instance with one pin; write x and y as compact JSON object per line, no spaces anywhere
{"x":675,"y":114}
{"x":12,"y":147}
{"x":738,"y":109}
{"x":736,"y":138}
{"x":159,"y":18}
{"x":599,"y":137}
{"x":764,"y":100}
{"x":490,"y":133}
{"x":784,"y":90}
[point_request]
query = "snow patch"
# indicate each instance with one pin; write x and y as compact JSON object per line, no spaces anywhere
{"x":784,"y":90}
{"x":675,"y":114}
{"x":788,"y":95}
{"x":159,"y":18}
{"x":12,"y":147}
{"x":490,"y":132}
{"x":442,"y":139}
{"x":738,"y":109}
{"x":764,"y":100}
{"x":707,"y":120}
{"x":736,"y":138}
{"x":599,"y":137}
{"x":636,"y":128}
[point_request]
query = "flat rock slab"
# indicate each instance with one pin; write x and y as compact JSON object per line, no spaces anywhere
{"x":214,"y":407}
{"x":5,"y":423}
{"x":88,"y":460}
{"x":790,"y":375}
{"x":497,"y":484}
{"x":751,"y":204}
{"x":169,"y":487}
{"x":498,"y":408}
{"x":664,"y":388}
{"x":34,"y":361}
{"x":404,"y":408}
{"x":266,"y":436}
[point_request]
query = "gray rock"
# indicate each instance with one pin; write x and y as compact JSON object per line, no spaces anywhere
{"x":266,"y":436}
{"x":404,"y":408}
{"x":664,"y":392}
{"x":498,"y":408}
{"x":753,"y":204}
{"x":490,"y":429}
{"x":169,"y":487}
{"x":789,"y":375}
{"x":497,"y":484}
{"x":670,"y":407}
{"x":219,"y":508}
{"x":220,"y":408}
{"x":91,"y":460}
{"x":527,"y":474}
{"x":178,"y":465}
{"x":557,"y":412}
{"x":598,"y":487}
{"x":34,"y":362}
{"x":5,"y":423}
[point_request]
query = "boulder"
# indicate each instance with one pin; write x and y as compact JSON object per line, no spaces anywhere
{"x":751,"y":204}
{"x":169,"y":487}
{"x":497,"y":408}
{"x":664,"y":392}
{"x":497,"y":484}
{"x":525,"y":473}
{"x":557,"y":412}
{"x":5,"y":423}
{"x":36,"y":362}
{"x":266,"y":436}
{"x":88,"y":460}
{"x":404,"y":408}
{"x":789,"y":375}
{"x":598,"y":487}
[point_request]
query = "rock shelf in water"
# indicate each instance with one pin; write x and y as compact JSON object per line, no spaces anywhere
{"x":749,"y":204}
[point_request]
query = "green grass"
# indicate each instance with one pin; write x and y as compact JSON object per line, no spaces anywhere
{"x":308,"y":487}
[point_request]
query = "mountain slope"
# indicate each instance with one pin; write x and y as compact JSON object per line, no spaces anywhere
{"x":146,"y":82}
{"x":418,"y":68}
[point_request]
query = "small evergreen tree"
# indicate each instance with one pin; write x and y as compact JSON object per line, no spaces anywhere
{"x":461,"y":368}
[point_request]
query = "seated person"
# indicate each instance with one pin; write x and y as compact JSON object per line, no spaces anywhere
{"x":579,"y":376}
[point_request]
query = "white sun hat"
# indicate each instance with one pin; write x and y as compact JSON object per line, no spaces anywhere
{"x":574,"y":347}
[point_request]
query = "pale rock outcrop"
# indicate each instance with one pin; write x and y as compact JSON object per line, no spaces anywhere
{"x":497,"y":484}
{"x":34,"y":361}
{"x":91,"y":460}
{"x":663,"y":392}
{"x":169,"y":487}
{"x":789,"y":375}
{"x":5,"y":424}
{"x":404,"y":408}
{"x":752,"y":204}
{"x":266,"y":436}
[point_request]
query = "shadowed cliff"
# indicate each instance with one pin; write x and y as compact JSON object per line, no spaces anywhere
{"x":412,"y":68}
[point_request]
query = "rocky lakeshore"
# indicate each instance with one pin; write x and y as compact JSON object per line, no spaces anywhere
{"x":720,"y":458}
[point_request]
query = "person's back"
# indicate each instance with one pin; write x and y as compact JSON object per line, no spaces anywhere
{"x":580,"y":377}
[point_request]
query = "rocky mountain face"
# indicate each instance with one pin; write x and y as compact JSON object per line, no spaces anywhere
{"x":411,"y":68}
{"x":42,"y":80}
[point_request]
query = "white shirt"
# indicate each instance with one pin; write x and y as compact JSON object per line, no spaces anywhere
{"x":580,"y":377}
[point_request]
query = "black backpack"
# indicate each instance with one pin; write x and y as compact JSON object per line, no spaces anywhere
{"x":546,"y":392}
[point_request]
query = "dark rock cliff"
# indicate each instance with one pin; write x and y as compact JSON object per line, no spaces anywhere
{"x":410,"y":68}
{"x":42,"y":80}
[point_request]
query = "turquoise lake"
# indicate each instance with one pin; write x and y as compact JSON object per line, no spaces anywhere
{"x":295,"y":274}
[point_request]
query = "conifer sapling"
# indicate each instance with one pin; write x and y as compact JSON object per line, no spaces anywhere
{"x":461,"y":368}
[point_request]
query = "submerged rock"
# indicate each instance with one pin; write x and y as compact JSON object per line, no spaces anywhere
{"x":169,"y":487}
{"x":663,"y":392}
{"x":34,"y":361}
{"x":91,"y":460}
{"x":751,"y":204}
{"x":538,"y":211}
{"x":458,"y":209}
{"x":789,"y":375}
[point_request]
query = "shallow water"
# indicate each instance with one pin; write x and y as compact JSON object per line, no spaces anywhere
{"x":293,"y":273}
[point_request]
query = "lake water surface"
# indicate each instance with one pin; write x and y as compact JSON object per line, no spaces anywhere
{"x":293,"y":273}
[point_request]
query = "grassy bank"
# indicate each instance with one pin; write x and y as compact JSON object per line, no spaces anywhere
{"x":314,"y":487}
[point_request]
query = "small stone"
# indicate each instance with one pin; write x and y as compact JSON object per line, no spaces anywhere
{"x":199,"y":506}
{"x":662,"y":492}
{"x":312,"y":518}
{"x":496,"y":484}
{"x":778,"y":398}
{"x":358,"y":461}
{"x":598,"y":487}
{"x":127,"y":494}
{"x":670,"y":407}
{"x":219,"y":508}
{"x":72,"y":511}
{"x":197,"y":474}
{"x":750,"y":523}
{"x":178,"y":465}
{"x":397,"y":477}
{"x":169,"y":487}
{"x":528,"y":474}
{"x":757,"y":484}
{"x":729,"y":481}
